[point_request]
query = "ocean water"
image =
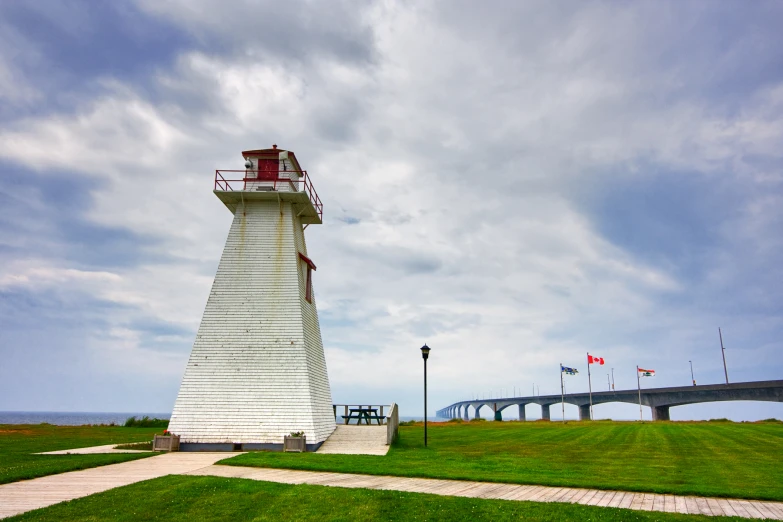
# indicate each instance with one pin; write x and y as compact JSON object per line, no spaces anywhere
{"x":79,"y":418}
{"x":72,"y":418}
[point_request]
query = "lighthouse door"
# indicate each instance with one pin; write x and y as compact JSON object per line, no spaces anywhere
{"x":267,"y":169}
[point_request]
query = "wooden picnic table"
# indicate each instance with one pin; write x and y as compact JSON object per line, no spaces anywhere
{"x":365,"y":414}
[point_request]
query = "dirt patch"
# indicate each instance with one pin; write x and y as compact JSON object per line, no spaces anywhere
{"x":18,"y":432}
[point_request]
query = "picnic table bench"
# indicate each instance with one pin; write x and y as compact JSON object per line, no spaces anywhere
{"x":366,"y":414}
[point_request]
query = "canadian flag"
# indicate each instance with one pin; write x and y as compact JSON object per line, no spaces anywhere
{"x":594,"y":360}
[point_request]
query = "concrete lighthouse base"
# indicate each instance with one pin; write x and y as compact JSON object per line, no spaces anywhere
{"x":257,"y":370}
{"x":246,"y":446}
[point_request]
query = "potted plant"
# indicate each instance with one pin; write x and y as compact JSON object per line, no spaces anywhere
{"x":166,"y":442}
{"x":296,"y":442}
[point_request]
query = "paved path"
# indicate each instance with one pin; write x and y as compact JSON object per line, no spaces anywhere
{"x":108,"y":448}
{"x":352,"y":439}
{"x":18,"y":497}
{"x":27,"y":495}
{"x":459,"y":488}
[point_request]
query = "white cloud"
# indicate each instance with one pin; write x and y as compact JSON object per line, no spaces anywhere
{"x":461,"y":141}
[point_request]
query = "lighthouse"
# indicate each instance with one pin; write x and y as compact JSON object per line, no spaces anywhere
{"x":257,"y":370}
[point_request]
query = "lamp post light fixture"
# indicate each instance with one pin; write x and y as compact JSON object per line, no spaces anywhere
{"x":425,"y":353}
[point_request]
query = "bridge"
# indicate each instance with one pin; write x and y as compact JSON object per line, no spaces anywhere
{"x":658,"y":399}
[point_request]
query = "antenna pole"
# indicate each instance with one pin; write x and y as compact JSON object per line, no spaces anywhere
{"x":723,"y":352}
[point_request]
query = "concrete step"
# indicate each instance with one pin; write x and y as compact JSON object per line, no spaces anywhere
{"x":356,"y":440}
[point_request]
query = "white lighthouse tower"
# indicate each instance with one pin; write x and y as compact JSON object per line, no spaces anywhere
{"x":257,"y":370}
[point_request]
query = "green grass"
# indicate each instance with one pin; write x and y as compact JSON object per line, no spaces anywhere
{"x":18,"y":442}
{"x":186,"y":498}
{"x":707,"y":459}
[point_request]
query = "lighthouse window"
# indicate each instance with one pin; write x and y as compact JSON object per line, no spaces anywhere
{"x":310,"y":266}
{"x":309,"y":287}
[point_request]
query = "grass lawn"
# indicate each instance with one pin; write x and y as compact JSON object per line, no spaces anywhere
{"x":19,"y":441}
{"x":174,"y":498}
{"x":708,"y":458}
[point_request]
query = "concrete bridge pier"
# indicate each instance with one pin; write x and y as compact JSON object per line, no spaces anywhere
{"x":660,"y":413}
{"x":659,"y":400}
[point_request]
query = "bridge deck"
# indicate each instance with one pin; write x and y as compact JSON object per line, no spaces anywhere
{"x":657,"y":398}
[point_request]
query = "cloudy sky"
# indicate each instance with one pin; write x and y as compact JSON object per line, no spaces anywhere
{"x":513,"y":183}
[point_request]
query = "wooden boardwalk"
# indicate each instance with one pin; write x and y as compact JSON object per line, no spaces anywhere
{"x":459,"y":488}
{"x":26,"y":495}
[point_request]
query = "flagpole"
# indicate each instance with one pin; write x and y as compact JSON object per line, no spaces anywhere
{"x":590,"y":385}
{"x":723,"y":352}
{"x":562,"y":392}
{"x":639,"y":387}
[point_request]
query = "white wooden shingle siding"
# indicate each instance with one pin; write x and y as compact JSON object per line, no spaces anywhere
{"x":257,"y":370}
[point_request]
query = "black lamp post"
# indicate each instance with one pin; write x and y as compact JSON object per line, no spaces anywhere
{"x":425,"y":353}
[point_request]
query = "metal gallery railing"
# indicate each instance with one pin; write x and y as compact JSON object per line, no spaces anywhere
{"x":282,"y":181}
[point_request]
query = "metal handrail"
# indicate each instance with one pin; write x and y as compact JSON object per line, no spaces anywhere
{"x":225,"y":185}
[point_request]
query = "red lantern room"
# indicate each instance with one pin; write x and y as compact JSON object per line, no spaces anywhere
{"x":270,"y":174}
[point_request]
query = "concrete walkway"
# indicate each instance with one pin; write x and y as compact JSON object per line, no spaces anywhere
{"x":353,"y":439}
{"x":459,"y":488}
{"x":26,"y":495}
{"x":92,"y":450}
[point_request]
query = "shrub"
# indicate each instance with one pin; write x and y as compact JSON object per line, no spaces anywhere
{"x":146,"y":422}
{"x":479,"y":419}
{"x":457,"y":420}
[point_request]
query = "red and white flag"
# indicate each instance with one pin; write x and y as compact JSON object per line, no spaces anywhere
{"x":594,"y":360}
